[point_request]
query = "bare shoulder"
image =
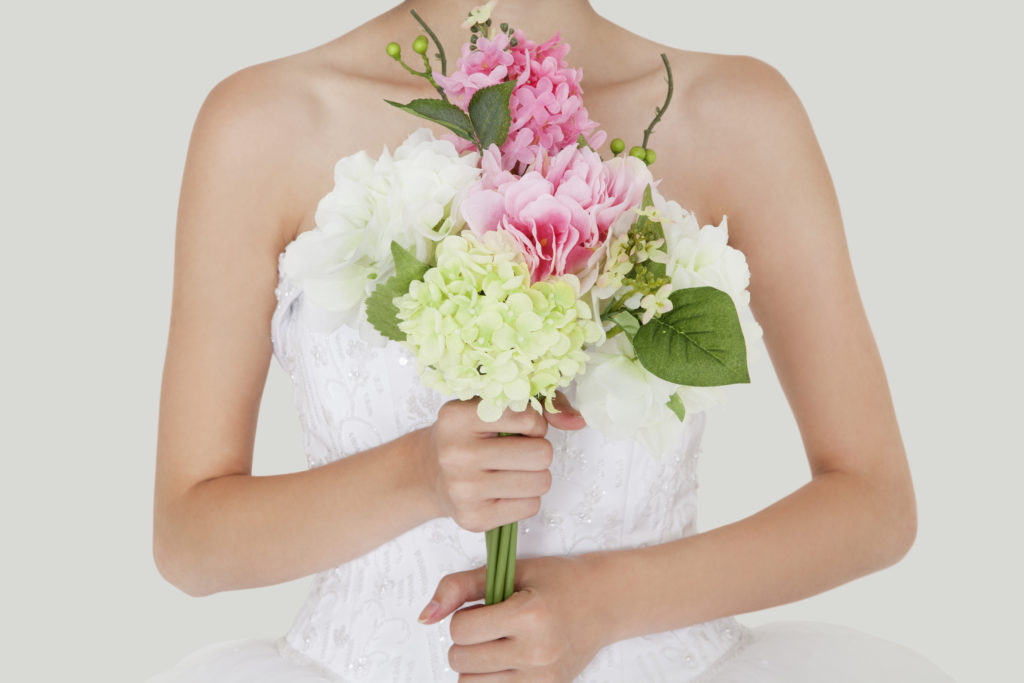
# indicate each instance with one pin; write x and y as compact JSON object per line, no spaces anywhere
{"x":275,"y":126}
{"x":747,"y":122}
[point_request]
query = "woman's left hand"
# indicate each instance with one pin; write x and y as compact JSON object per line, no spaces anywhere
{"x":547,"y":631}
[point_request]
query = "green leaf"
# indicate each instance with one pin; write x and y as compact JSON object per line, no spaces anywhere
{"x":698,"y":343}
{"x":675,"y":404}
{"x":440,"y":112}
{"x":490,"y":114}
{"x":627,"y":321}
{"x":380,"y":306}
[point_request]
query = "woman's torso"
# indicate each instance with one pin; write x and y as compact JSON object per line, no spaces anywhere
{"x":360,"y":619}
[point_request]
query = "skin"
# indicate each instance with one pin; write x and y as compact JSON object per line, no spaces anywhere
{"x":735,"y":141}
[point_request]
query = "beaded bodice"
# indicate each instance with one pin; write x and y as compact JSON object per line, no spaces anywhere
{"x":359,"y":621}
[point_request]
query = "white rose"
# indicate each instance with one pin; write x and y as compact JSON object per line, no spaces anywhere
{"x":621,"y":399}
{"x":410,"y":197}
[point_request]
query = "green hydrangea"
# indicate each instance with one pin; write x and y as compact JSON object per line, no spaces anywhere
{"x":479,"y":328}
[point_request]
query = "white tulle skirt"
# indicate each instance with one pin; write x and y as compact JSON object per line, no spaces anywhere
{"x":782,"y":652}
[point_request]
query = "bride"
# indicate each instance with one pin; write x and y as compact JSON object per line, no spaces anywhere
{"x":614,"y":582}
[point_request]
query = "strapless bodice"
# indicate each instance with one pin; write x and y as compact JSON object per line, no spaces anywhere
{"x":359,"y":620}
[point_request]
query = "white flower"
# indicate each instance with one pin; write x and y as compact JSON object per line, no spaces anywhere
{"x":622,"y":400}
{"x":410,"y":197}
{"x":655,"y":303}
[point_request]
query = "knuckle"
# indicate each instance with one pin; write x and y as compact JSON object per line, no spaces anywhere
{"x":539,"y":423}
{"x":462,"y":492}
{"x":545,"y":481}
{"x":471,"y":521}
{"x":546,"y":451}
{"x":448,"y":411}
{"x":455,"y":658}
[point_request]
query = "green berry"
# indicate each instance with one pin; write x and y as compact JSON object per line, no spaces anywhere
{"x":394,"y":50}
{"x":637,"y":151}
{"x":419,"y":46}
{"x":649,"y":157}
{"x":513,"y":42}
{"x":617,"y":145}
{"x":504,"y":27}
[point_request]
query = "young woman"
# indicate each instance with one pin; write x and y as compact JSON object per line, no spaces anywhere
{"x":615,"y":584}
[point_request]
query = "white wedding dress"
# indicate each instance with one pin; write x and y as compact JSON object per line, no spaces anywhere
{"x":359,"y":622}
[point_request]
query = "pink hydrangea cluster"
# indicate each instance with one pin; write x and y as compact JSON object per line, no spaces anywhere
{"x":547,"y":103}
{"x":561,"y":211}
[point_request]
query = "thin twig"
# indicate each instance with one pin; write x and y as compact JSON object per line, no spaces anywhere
{"x":660,"y":110}
{"x":437,"y":43}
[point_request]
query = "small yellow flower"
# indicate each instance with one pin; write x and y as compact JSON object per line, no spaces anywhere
{"x":479,"y":15}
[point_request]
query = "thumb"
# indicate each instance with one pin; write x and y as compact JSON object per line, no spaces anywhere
{"x":452,"y":592}
{"x":567,"y":418}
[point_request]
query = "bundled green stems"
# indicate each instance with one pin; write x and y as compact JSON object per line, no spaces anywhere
{"x":501,"y":560}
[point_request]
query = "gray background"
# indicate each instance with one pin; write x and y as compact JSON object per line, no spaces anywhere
{"x":916,"y":105}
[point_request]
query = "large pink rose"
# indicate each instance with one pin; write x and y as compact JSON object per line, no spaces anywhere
{"x":560,"y":211}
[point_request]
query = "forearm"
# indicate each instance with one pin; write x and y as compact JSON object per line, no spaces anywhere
{"x":241,"y":531}
{"x":834,"y":529}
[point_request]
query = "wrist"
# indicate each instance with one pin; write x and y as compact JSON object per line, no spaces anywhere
{"x":424,"y":471}
{"x":610,"y":576}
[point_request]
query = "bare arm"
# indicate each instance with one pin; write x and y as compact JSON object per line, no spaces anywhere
{"x":217,"y":527}
{"x":855,"y":516}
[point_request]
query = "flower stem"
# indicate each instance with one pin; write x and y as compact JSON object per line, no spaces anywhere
{"x":492,"y":562}
{"x":499,"y":577}
{"x":437,"y":43}
{"x":660,"y":110}
{"x":510,"y":571}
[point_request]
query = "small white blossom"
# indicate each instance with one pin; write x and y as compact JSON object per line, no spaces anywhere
{"x":655,"y":303}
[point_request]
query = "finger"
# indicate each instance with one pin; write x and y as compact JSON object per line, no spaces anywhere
{"x":517,"y":484}
{"x":567,"y":418}
{"x":499,"y":677}
{"x":516,"y":453}
{"x":452,"y":592}
{"x":508,"y":510}
{"x":487,"y":624}
{"x":526,"y":422}
{"x":485,"y":658}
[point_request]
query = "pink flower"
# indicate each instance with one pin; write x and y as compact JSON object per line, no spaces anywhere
{"x":561,"y":211}
{"x":547,"y":103}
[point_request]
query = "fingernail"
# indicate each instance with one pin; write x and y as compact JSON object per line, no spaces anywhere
{"x":428,"y":611}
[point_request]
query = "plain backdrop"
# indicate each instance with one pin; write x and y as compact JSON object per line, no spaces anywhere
{"x":917,"y":106}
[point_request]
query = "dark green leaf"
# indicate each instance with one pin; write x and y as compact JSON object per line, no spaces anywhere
{"x":675,"y":404}
{"x":380,"y":307}
{"x":490,"y":114}
{"x":698,"y":343}
{"x":441,"y":112}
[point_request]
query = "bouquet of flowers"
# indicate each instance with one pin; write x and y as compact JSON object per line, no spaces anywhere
{"x":513,"y":259}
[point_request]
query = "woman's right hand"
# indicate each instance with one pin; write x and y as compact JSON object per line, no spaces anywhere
{"x":482,"y":480}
